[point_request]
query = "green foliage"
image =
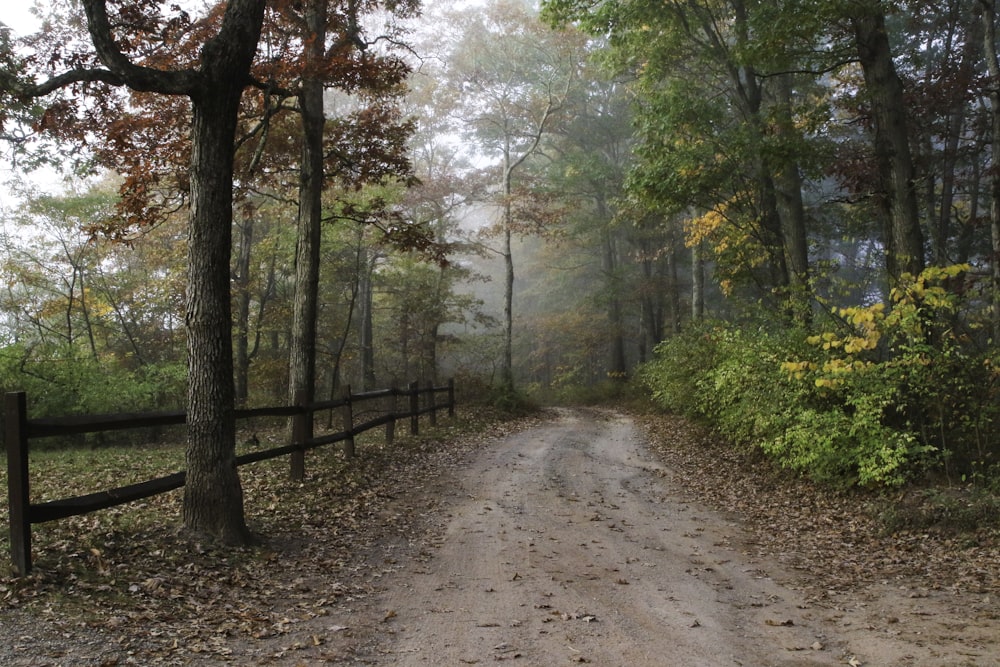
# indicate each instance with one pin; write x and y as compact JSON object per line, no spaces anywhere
{"x":64,"y":382}
{"x":510,"y":401}
{"x":913,"y":369}
{"x":888,"y":393}
{"x":673,"y":374}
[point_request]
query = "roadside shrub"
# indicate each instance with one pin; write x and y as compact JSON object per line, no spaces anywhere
{"x":887,"y":392}
{"x":680,"y":362}
{"x":910,"y":386}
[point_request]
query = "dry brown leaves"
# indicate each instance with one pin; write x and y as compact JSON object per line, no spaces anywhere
{"x":123,"y":587}
{"x":840,"y":539}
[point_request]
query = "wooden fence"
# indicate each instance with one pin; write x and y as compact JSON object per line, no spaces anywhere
{"x":19,"y":431}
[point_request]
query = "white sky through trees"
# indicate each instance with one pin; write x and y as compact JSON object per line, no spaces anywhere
{"x":18,"y":16}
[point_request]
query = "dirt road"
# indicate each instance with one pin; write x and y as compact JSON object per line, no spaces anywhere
{"x":571,"y":540}
{"x":566,"y":544}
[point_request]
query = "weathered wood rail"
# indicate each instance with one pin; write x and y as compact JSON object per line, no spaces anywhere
{"x":19,"y":431}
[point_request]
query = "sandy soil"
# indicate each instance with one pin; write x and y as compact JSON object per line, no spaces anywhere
{"x":567,"y":544}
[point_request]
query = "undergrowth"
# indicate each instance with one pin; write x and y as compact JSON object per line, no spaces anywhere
{"x":875,"y":396}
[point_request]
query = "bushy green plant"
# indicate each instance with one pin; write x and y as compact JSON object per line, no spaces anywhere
{"x":907,"y":388}
{"x":63,"y":382}
{"x":888,"y":391}
{"x":672,"y":376}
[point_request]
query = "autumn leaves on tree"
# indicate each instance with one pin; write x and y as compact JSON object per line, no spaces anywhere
{"x":162,"y":99}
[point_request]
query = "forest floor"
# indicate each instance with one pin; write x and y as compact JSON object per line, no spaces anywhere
{"x":575,"y":536}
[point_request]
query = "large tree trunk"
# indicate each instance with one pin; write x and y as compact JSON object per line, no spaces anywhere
{"x":213,"y":498}
{"x":897,"y":196}
{"x":302,"y":352}
{"x":788,"y":180}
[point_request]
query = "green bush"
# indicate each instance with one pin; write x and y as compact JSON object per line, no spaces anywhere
{"x":678,"y":364}
{"x":884,"y":394}
{"x":62,"y":382}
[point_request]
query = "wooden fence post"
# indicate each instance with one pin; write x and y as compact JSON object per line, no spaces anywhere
{"x":347,"y":411}
{"x":451,"y":397}
{"x":301,"y":433}
{"x":432,"y":397}
{"x":16,"y":436}
{"x":390,"y":426}
{"x":414,"y":408}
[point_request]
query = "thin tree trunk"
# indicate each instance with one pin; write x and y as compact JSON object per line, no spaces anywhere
{"x":302,"y":350}
{"x":242,"y":286}
{"x":993,"y":63}
{"x":367,"y":332}
{"x":897,"y":196}
{"x":507,"y":364}
{"x":616,"y":350}
{"x":673,"y":289}
{"x":697,"y":282}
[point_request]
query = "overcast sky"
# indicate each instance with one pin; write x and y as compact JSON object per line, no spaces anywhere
{"x":16,"y":14}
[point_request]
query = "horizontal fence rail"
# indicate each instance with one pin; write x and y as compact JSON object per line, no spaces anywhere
{"x":19,"y":431}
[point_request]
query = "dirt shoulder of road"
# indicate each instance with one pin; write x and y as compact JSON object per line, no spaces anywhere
{"x":340,"y":584}
{"x":690,"y":550}
{"x":930,"y":587}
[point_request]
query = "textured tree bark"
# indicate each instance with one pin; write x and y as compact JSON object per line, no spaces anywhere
{"x":993,"y":64}
{"x":302,"y":352}
{"x":788,"y":181}
{"x":897,"y":196}
{"x":213,"y":497}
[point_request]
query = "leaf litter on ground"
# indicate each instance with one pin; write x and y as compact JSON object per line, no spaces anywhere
{"x":126,"y":587}
{"x":128,"y":574}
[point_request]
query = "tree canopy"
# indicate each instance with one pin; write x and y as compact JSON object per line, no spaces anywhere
{"x":797,"y":198}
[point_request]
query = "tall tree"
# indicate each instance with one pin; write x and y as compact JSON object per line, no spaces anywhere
{"x":213,"y":82}
{"x":896,"y":197}
{"x":336,"y":53}
{"x":515,"y":75}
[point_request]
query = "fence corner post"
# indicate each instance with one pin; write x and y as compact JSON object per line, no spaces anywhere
{"x":451,"y":397}
{"x":390,"y":424}
{"x":432,"y":403}
{"x":414,"y":408}
{"x":301,"y":433}
{"x":347,"y":411}
{"x":19,"y":508}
